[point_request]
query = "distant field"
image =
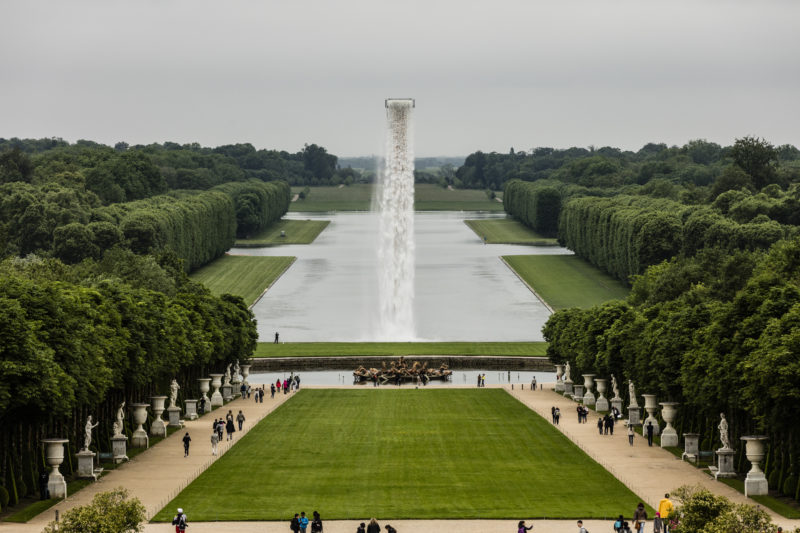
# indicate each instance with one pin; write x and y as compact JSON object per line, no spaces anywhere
{"x":427,"y":197}
{"x":297,"y":232}
{"x":566,"y":280}
{"x":401,"y":454}
{"x":245,"y":276}
{"x":331,"y":349}
{"x":508,"y":231}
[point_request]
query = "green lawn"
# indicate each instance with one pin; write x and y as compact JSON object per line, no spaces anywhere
{"x":507,"y":231}
{"x":297,"y":232}
{"x":329,"y":349}
{"x":396,"y":454}
{"x":566,"y":280}
{"x":427,"y":197}
{"x":245,"y":276}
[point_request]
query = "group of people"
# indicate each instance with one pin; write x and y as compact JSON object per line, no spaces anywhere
{"x":300,"y":523}
{"x":481,"y":380}
{"x":555,"y":413}
{"x":374,"y":527}
{"x":661,"y":523}
{"x":583,"y":414}
{"x":605,"y":424}
{"x":291,"y":384}
{"x":225,"y":425}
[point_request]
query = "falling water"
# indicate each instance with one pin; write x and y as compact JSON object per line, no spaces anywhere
{"x":396,"y":228}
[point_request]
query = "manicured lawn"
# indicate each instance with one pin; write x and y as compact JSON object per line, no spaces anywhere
{"x":353,"y":454}
{"x":329,"y":349}
{"x":297,"y":232}
{"x":566,"y":280}
{"x":786,"y":507}
{"x":245,"y":276}
{"x":427,"y":197}
{"x":508,"y":231}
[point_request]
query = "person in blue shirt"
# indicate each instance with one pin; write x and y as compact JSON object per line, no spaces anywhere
{"x":303,"y":522}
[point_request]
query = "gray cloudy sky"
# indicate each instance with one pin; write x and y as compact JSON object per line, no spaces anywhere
{"x":486,"y":75}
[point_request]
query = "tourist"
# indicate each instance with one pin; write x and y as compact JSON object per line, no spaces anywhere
{"x":618,"y":524}
{"x":229,"y":428}
{"x":316,"y":524}
{"x":581,"y":529}
{"x":243,"y":390}
{"x":558,"y":415}
{"x":285,"y":386}
{"x":261,"y":395}
{"x":616,"y":413}
{"x":521,"y":527}
{"x":639,"y":518}
{"x":278,"y":384}
{"x":649,"y":433}
{"x":297,"y":382}
{"x":240,"y":419}
{"x":390,"y":529}
{"x":630,"y":433}
{"x":579,"y":410}
{"x":295,"y":523}
{"x":220,"y":428}
{"x":179,"y":521}
{"x":361,"y":528}
{"x":600,"y":425}
{"x":202,"y":406}
{"x":373,"y":526}
{"x":272,"y":389}
{"x":186,"y":440}
{"x":303,"y":522}
{"x":533,"y":383}
{"x":665,"y":508}
{"x":276,"y":337}
{"x":214,"y":442}
{"x":479,"y":380}
{"x":553,"y":413}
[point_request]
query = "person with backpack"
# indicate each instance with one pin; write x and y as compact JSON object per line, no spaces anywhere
{"x":316,"y":523}
{"x":295,"y":523}
{"x":639,"y":518}
{"x":581,"y":529}
{"x":361,"y":528}
{"x":240,"y":419}
{"x":186,"y":440}
{"x":180,"y":521}
{"x":229,"y":428}
{"x":618,"y":524}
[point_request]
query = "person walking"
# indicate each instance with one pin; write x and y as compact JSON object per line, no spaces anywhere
{"x":521,"y":527}
{"x":533,"y":383}
{"x":272,"y":389}
{"x":180,"y":521}
{"x":665,"y":508}
{"x":611,"y":423}
{"x":649,"y":433}
{"x":276,"y":337}
{"x":303,"y":522}
{"x":214,"y":442}
{"x":316,"y":523}
{"x":581,"y":529}
{"x":229,"y":428}
{"x":639,"y":518}
{"x":618,"y":524}
{"x":373,"y":526}
{"x":278,"y":385}
{"x":240,"y":419}
{"x":243,"y":391}
{"x":558,"y":415}
{"x":600,"y":424}
{"x":186,"y":440}
{"x":553,"y":413}
{"x":630,"y":433}
{"x":220,"y":428}
{"x":285,"y":386}
{"x":361,"y":528}
{"x":294,"y":525}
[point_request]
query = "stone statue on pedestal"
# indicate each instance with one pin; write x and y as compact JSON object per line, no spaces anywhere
{"x":236,"y":371}
{"x":632,"y":393}
{"x":723,"y":432}
{"x":566,"y":372}
{"x":227,"y":376}
{"x":173,"y":394}
{"x":118,"y":424}
{"x":87,"y":438}
{"x":614,"y":386}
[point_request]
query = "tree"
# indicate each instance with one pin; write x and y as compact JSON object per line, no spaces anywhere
{"x":757,"y":157}
{"x":15,"y":165}
{"x":74,"y":242}
{"x":108,"y":512}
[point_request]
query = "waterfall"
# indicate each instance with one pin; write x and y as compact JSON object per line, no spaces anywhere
{"x":395,"y":202}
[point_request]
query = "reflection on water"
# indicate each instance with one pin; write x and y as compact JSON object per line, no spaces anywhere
{"x":460,"y":377}
{"x":463,"y":291}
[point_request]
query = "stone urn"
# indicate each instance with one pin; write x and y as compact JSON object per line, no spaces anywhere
{"x":54,"y":455}
{"x":588,"y":397}
{"x":559,"y":383}
{"x":140,"y":438}
{"x":650,"y":406}
{"x":756,"y":482}
{"x":158,"y":428}
{"x":691,"y":447}
{"x":216,"y":396}
{"x":669,"y":437}
{"x":602,"y":402}
{"x":205,"y":386}
{"x":245,"y":373}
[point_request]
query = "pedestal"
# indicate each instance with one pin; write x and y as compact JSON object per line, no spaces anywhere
{"x":216,"y":397}
{"x":602,"y":403}
{"x":119,"y":448}
{"x":650,"y":406}
{"x":568,"y":388}
{"x":756,"y":482}
{"x":226,"y":392}
{"x":191,"y":409}
{"x":139,"y":439}
{"x":616,"y":402}
{"x":634,"y":415}
{"x":588,"y":383}
{"x":559,"y":384}
{"x":86,"y":464}
{"x":725,"y":463}
{"x":158,"y":428}
{"x":54,"y":455}
{"x":174,"y":417}
{"x":669,"y":437}
{"x":577,"y":393}
{"x":691,"y":446}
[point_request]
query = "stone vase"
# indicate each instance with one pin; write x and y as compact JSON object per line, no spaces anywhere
{"x":602,"y":403}
{"x":158,"y":428}
{"x":140,"y":438}
{"x":216,"y":396}
{"x":54,"y":455}
{"x":756,"y":482}
{"x":588,"y":383}
{"x":691,"y":447}
{"x":669,"y":437}
{"x":650,"y":406}
{"x":245,"y":373}
{"x":559,"y":384}
{"x":205,"y":386}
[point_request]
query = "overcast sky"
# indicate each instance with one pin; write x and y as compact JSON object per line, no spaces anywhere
{"x":486,"y":75}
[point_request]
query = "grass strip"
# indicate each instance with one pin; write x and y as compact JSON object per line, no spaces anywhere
{"x":402,"y":454}
{"x":566,"y":280}
{"x":779,"y":506}
{"x":296,"y":232}
{"x":332,"y":349}
{"x":245,"y":276}
{"x":507,"y":231}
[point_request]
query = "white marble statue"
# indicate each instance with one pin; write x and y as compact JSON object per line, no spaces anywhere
{"x":236,"y":374}
{"x":632,"y":393}
{"x":87,"y":437}
{"x":723,"y":432}
{"x":227,"y":376}
{"x":173,"y":394}
{"x":614,"y":386}
{"x":566,"y":373}
{"x":118,"y":424}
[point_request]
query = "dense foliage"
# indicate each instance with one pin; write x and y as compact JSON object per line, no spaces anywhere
{"x":108,"y":512}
